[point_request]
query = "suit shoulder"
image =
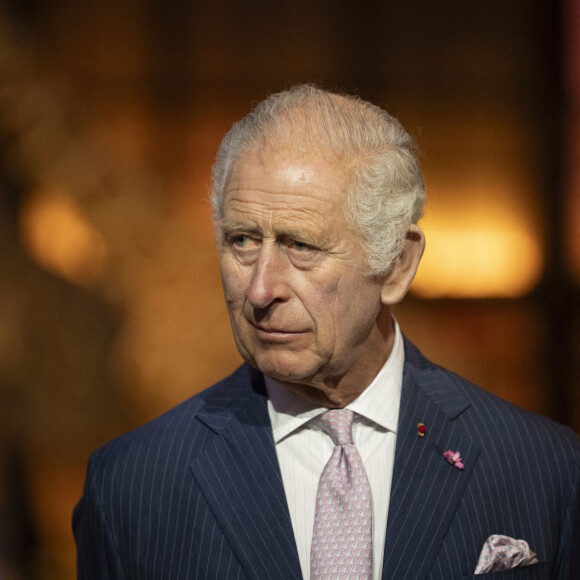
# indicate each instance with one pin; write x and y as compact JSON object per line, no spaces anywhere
{"x":168,"y":433}
{"x":521,"y":434}
{"x":488,"y":416}
{"x":509,"y":417}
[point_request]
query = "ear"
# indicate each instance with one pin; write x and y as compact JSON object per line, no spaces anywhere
{"x":403,"y":270}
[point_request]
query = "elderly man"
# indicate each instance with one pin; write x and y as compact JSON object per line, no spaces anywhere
{"x":337,"y":450}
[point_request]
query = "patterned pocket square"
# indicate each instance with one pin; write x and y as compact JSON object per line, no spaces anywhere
{"x":504,"y":553}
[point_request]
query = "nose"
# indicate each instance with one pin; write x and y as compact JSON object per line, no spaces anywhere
{"x":270,"y":282}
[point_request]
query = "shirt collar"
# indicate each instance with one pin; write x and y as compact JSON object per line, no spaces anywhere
{"x":379,"y":402}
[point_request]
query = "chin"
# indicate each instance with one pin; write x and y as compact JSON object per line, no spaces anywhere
{"x":289,"y":367}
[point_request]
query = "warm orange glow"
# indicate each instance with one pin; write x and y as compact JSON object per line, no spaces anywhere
{"x":572,"y":145}
{"x":488,"y":253}
{"x":57,"y":235}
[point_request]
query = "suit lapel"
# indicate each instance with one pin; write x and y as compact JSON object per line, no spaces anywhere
{"x":237,"y":471}
{"x":426,"y":489}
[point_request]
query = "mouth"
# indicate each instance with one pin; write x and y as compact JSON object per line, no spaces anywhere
{"x":268,"y":333}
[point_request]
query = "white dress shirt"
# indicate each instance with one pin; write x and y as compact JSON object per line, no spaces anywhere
{"x":303,"y":450}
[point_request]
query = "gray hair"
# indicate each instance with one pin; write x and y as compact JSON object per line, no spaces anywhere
{"x":385,"y":192}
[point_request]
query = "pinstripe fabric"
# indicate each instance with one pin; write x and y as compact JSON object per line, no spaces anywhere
{"x":195,"y":494}
{"x":198,"y":492}
{"x":521,"y":479}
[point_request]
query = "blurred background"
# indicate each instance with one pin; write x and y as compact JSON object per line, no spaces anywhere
{"x":110,"y":301}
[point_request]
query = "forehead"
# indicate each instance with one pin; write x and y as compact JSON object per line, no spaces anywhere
{"x":287,"y":181}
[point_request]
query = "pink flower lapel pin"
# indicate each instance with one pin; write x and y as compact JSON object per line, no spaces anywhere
{"x":454,"y":457}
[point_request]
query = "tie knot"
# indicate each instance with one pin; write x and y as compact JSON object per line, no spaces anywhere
{"x":338,"y":424}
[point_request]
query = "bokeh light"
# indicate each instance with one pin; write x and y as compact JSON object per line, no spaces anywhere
{"x":58,"y":236}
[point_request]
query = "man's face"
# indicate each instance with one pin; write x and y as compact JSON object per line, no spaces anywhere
{"x":302,"y":310}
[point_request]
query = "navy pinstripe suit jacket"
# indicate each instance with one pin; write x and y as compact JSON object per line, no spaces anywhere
{"x":197,"y":493}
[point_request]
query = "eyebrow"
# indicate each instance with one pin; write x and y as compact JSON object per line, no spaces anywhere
{"x":232,"y":227}
{"x":305,"y":237}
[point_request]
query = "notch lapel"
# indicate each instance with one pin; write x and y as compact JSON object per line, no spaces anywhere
{"x":238,"y":473}
{"x":426,"y":489}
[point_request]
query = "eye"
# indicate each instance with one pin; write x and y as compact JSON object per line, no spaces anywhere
{"x":245,"y":246}
{"x":241,"y":240}
{"x":303,"y":255}
{"x":302,"y":247}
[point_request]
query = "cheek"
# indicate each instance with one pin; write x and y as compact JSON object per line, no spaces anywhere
{"x":328,"y":306}
{"x":321,"y":295}
{"x":357,"y":304}
{"x":232,"y":281}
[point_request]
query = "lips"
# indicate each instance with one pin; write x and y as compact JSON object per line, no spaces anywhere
{"x":269,"y":334}
{"x":275,"y":329}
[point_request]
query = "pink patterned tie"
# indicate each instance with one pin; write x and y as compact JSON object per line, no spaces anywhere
{"x":342,"y":537}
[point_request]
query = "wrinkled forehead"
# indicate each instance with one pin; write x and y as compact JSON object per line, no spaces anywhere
{"x":287,"y":187}
{"x":278,"y":167}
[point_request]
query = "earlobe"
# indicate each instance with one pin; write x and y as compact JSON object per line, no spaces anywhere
{"x":403,"y":271}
